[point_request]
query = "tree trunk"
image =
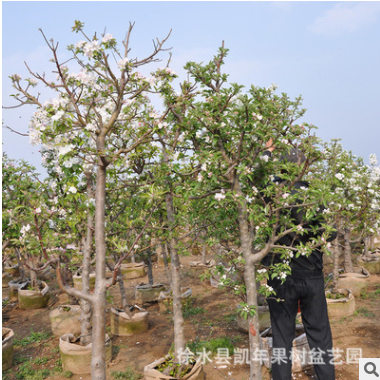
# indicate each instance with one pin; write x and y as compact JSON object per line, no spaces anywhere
{"x":123,"y":293}
{"x":20,"y":265}
{"x":246,"y":240}
{"x":336,"y":252}
{"x":150,"y":267}
{"x":86,"y":309}
{"x":179,"y":339}
{"x":98,"y":360}
{"x":204,"y":252}
{"x":348,"y":267}
{"x":366,"y":246}
{"x":164,"y":249}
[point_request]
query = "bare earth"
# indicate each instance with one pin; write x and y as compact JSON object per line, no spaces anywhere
{"x":357,"y":331}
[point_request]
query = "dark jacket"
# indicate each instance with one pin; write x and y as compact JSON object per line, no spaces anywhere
{"x":314,"y":261}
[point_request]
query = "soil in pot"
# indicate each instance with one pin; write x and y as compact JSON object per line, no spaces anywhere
{"x":165,"y":299}
{"x":198,"y":268}
{"x":372,"y":265}
{"x":33,"y":298}
{"x":13,"y":271}
{"x":340,"y":303}
{"x":6,"y":277}
{"x":65,"y":320}
{"x":77,"y":279}
{"x":14,"y":286}
{"x":133,"y":270}
{"x":163,"y":369}
{"x":76,"y":358}
{"x":148,"y":293}
{"x":356,"y":282}
{"x":7,"y":352}
{"x":123,"y":325}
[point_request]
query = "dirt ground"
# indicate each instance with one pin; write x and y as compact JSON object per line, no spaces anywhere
{"x":216,"y":319}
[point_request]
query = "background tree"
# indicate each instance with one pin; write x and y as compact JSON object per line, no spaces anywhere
{"x":228,"y":130}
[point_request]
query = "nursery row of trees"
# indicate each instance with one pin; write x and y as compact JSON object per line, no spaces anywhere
{"x":126,"y":173}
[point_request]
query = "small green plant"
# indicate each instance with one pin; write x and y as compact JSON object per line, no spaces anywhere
{"x":40,"y":361}
{"x":189,"y":309}
{"x":175,"y":370}
{"x":229,"y":318}
{"x":365,"y":312}
{"x":335,"y":296}
{"x":18,"y":359}
{"x":213,"y":345}
{"x":5,"y":302}
{"x":128,"y":374}
{"x":26,"y":372}
{"x":34,"y":337}
{"x":67,"y":374}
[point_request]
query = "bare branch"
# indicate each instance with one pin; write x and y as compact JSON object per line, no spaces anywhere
{"x":12,"y":130}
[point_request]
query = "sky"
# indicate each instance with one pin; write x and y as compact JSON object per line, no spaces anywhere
{"x":326,"y":51}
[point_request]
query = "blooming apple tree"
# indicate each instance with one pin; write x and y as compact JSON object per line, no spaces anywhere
{"x":229,"y":132}
{"x":99,"y":119}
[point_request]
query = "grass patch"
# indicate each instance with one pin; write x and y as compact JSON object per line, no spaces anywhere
{"x":26,"y":372}
{"x":229,"y":318}
{"x":364,"y":312}
{"x":40,"y":361}
{"x":189,"y":309}
{"x":128,"y":374}
{"x":213,"y":345}
{"x":34,"y":337}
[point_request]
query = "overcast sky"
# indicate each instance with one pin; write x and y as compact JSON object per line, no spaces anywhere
{"x":328,"y":52}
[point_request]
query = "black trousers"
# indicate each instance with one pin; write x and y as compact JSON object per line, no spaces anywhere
{"x":307,"y":288}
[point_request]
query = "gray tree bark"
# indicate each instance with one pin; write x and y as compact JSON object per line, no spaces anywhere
{"x":98,"y":360}
{"x":86,"y":309}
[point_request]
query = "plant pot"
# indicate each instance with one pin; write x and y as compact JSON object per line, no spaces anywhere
{"x":65,"y":320}
{"x":14,"y":286}
{"x":198,"y":268}
{"x":165,"y":299}
{"x":46,"y":274}
{"x":132,"y":270}
{"x":77,"y":279}
{"x":216,"y":276}
{"x":151,"y":372}
{"x":14,"y":271}
{"x":356,"y":282}
{"x":6,"y":277}
{"x":148,"y":293}
{"x":264,"y":319}
{"x":301,"y":349}
{"x":7,"y":353}
{"x":76,"y":358}
{"x":341,"y":307}
{"x":122,"y":325}
{"x":372,"y":264}
{"x":33,"y":299}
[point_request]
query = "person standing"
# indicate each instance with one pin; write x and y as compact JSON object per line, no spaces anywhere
{"x":304,"y":289}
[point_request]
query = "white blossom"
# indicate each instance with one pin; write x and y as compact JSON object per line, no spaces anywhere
{"x":107,"y":37}
{"x":219,"y":196}
{"x":122,"y":64}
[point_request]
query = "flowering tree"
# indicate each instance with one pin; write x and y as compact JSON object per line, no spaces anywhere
{"x":228,"y":132}
{"x":99,"y":117}
{"x":355,"y":204}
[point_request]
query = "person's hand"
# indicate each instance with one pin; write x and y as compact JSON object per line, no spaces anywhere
{"x":269,"y":145}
